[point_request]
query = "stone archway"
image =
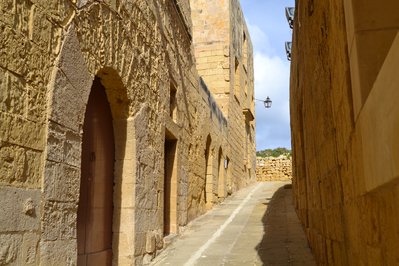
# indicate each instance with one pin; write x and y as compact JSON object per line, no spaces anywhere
{"x":69,"y":91}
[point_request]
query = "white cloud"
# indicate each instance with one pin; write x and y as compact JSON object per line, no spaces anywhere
{"x":271,"y":74}
{"x":269,"y":30}
{"x":272,"y":79}
{"x":259,"y":39}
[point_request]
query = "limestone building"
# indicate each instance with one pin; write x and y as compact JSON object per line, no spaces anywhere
{"x":345,"y":128}
{"x":120,"y":122}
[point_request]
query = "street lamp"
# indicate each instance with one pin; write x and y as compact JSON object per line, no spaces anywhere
{"x":288,"y":47}
{"x":267,"y":103}
{"x":289,"y":14}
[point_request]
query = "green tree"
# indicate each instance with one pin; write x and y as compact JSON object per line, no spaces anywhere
{"x":274,"y":152}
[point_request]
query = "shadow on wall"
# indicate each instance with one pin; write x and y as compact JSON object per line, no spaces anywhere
{"x":283,"y":242}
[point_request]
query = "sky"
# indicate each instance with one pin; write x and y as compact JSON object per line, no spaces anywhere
{"x":269,"y":31}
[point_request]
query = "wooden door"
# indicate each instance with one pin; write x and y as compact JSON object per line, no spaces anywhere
{"x":170,"y":188}
{"x":94,"y":227}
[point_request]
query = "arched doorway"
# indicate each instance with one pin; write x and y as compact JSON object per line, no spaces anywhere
{"x":221,"y":177}
{"x":170,"y":185}
{"x":208,"y":174}
{"x":95,"y":211}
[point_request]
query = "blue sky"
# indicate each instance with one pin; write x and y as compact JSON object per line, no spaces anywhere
{"x":269,"y":30}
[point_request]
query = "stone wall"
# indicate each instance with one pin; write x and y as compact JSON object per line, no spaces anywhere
{"x":273,"y":169}
{"x":224,"y":56}
{"x":344,"y":120}
{"x":50,"y":53}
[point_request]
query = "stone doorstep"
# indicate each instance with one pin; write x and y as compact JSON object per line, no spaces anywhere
{"x":169,"y":239}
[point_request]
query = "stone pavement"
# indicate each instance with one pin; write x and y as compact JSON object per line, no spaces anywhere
{"x":256,"y":226}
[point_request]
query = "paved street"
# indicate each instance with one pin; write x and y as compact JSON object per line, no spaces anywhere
{"x":256,"y":226}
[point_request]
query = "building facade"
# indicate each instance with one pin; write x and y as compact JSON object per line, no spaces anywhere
{"x":223,"y":51}
{"x":113,"y":131}
{"x":345,"y":123}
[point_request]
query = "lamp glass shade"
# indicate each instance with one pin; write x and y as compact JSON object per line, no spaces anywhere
{"x":268,"y":102}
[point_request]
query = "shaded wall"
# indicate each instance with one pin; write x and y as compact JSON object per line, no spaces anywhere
{"x":344,"y":121}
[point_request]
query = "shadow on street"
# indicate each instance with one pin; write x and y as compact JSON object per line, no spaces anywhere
{"x":283,"y":241}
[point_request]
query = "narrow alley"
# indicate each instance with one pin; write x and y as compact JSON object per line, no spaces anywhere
{"x":256,"y":226}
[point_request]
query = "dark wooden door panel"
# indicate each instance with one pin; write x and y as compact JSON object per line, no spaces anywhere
{"x":96,"y":189}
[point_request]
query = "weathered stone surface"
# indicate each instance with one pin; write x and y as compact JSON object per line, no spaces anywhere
{"x":343,"y":117}
{"x":13,"y":93}
{"x":150,"y":245}
{"x":59,"y":222}
{"x":64,"y":145}
{"x":273,"y":169}
{"x":12,"y":126}
{"x":14,"y":216}
{"x":19,"y":224}
{"x":63,"y":93}
{"x":63,"y":182}
{"x":58,"y":253}
{"x":9,"y":247}
{"x":143,"y":54}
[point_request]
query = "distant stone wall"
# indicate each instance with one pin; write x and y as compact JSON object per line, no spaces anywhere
{"x":273,"y":169}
